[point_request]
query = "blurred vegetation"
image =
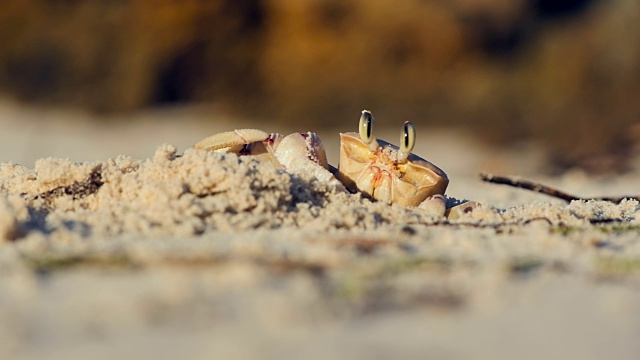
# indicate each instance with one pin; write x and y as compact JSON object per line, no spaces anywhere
{"x":566,"y":73}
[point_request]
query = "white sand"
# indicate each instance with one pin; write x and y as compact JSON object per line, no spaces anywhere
{"x":205,"y":255}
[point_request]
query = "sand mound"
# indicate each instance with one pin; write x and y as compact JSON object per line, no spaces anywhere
{"x":190,"y":194}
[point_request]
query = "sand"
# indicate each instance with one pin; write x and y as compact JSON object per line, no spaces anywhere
{"x":187,"y":253}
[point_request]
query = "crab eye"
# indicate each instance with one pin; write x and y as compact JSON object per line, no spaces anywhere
{"x":407,"y":141}
{"x":366,"y":126}
{"x":366,"y":130}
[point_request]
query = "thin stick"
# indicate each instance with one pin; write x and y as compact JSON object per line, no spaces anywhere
{"x":547,"y":190}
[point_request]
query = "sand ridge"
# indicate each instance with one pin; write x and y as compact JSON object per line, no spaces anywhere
{"x":190,"y":194}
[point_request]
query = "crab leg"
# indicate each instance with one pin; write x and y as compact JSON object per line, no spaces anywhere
{"x":231,"y":139}
{"x":244,"y":142}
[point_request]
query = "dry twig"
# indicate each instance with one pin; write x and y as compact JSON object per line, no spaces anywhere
{"x":547,"y":190}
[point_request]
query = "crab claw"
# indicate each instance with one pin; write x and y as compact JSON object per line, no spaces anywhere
{"x":292,"y":146}
{"x":298,"y":153}
{"x":434,"y":205}
{"x":303,"y":153}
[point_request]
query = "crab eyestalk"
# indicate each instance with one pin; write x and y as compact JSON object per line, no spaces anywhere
{"x":366,"y":130}
{"x":407,"y":141}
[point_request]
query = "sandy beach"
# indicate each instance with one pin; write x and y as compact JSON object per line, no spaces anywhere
{"x":118,"y":239}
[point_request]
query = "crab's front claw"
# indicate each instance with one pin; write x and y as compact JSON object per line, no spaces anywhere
{"x":434,"y":205}
{"x":298,"y":148}
{"x":303,"y":153}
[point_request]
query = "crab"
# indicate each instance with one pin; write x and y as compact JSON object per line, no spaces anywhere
{"x":373,"y":167}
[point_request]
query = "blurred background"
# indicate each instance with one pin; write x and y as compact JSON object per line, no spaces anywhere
{"x":563,"y":75}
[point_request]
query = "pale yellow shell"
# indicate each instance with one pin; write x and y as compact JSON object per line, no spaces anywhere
{"x":381,"y":176}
